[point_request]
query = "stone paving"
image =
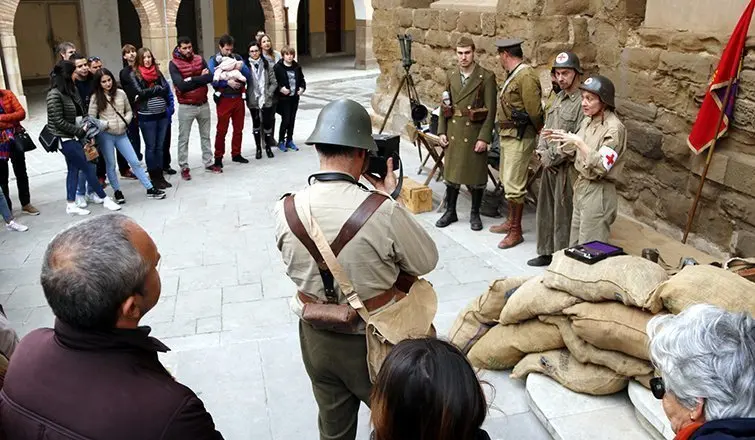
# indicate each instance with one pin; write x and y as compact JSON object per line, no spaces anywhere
{"x":224,"y":306}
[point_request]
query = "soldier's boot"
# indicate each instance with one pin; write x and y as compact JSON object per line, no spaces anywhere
{"x":504,"y":227}
{"x":514,"y":237}
{"x":258,"y":143}
{"x":452,"y":194}
{"x":475,"y":222}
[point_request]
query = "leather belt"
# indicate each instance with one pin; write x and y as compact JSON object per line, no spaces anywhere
{"x":371,"y":304}
{"x":459,"y":113}
{"x":505,"y":125}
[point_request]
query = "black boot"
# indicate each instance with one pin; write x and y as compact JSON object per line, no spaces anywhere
{"x":269,"y":143}
{"x":475,"y":222}
{"x":540,"y":261}
{"x":258,"y":143}
{"x":450,"y":215}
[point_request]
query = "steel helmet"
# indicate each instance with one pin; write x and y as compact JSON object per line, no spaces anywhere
{"x":567,"y":60}
{"x":601,"y":86}
{"x":343,"y":122}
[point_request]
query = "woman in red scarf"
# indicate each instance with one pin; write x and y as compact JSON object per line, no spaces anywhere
{"x":706,"y":357}
{"x":152,"y":107}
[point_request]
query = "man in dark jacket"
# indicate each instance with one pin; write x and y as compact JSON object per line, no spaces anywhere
{"x":96,"y":375}
{"x":190,"y":77}
{"x":129,"y":58}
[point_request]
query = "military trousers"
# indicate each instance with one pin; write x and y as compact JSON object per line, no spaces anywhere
{"x":595,"y":207}
{"x":554,"y":208}
{"x":515,"y":160}
{"x":337,"y":367}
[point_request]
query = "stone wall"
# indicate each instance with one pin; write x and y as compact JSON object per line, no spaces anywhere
{"x":660,"y":76}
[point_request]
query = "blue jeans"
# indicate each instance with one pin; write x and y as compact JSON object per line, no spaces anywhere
{"x":5,"y":210}
{"x":153,"y":132}
{"x":82,"y":187}
{"x":77,"y":161}
{"x":108,"y":143}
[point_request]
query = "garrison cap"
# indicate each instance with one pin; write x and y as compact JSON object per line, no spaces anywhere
{"x":464,"y":42}
{"x":508,"y":42}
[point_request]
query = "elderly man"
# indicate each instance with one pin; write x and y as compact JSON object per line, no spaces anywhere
{"x":96,"y":375}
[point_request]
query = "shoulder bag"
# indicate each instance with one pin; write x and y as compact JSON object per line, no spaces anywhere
{"x":49,"y":141}
{"x":22,"y":140}
{"x":478,"y":112}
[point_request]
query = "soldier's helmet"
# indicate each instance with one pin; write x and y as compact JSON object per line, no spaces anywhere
{"x":567,"y":60}
{"x":343,"y":122}
{"x":601,"y":86}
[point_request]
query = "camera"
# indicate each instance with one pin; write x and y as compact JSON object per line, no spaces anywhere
{"x":388,"y":146}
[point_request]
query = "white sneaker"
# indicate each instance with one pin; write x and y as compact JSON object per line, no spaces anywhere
{"x":81,"y":201}
{"x":110,"y":204}
{"x":13,"y":226}
{"x":94,"y":198}
{"x":72,"y":208}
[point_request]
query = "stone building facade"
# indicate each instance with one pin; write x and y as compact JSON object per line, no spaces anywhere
{"x":660,"y":54}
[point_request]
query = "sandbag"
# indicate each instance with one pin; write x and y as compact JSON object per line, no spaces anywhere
{"x":627,"y":279}
{"x":572,"y":374}
{"x":621,"y":363}
{"x":505,"y":345}
{"x":482,"y":313}
{"x":707,"y":284}
{"x":533,"y":298}
{"x":644,"y":380}
{"x":612,"y":326}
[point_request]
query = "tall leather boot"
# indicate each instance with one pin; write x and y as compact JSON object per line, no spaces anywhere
{"x":161,"y":175}
{"x":269,"y":143}
{"x":258,"y":143}
{"x":452,"y":194}
{"x":156,"y":176}
{"x":514,"y":237}
{"x":475,"y":222}
{"x":504,"y":227}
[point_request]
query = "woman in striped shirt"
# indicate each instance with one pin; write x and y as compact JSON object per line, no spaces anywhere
{"x":152,"y":107}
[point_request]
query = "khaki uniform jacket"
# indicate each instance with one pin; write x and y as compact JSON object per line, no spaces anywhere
{"x":565,"y":113}
{"x":607,"y":139}
{"x":462,"y":164}
{"x":522,"y":93}
{"x":391,"y":241}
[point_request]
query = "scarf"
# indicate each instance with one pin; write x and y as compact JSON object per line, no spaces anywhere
{"x":149,"y":74}
{"x":686,"y":432}
{"x":260,"y":80}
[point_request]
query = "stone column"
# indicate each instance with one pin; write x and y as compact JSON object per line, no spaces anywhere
{"x":160,"y":45}
{"x":365,"y":58}
{"x":208,"y":28}
{"x":13,"y":80}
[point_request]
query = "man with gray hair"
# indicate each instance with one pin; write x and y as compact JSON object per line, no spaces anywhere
{"x":97,"y":375}
{"x":65,"y":50}
{"x":706,"y":357}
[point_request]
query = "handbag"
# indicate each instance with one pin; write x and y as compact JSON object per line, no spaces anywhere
{"x":22,"y":140}
{"x":478,"y":112}
{"x":49,"y":141}
{"x":410,"y":317}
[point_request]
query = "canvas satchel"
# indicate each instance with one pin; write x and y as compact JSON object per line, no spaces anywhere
{"x":411,"y":317}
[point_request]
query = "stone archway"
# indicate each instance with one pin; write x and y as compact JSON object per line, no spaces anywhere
{"x":10,"y":50}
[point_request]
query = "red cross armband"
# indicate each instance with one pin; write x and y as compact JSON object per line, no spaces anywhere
{"x":608,"y":157}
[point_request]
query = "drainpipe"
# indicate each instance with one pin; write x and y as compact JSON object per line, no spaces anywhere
{"x":285,"y":24}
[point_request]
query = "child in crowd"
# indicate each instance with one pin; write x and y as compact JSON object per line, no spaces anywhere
{"x":229,"y":68}
{"x":291,"y":86}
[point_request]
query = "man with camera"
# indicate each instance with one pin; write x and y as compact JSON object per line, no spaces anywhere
{"x":465,"y":127}
{"x":554,"y":199}
{"x":520,"y":119}
{"x":379,"y":246}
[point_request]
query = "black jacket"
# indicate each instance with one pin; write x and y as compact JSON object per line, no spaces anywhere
{"x":281,"y":76}
{"x":127,"y":85}
{"x":62,"y":110}
{"x":66,"y":384}
{"x":145,"y":93}
{"x":726,"y":429}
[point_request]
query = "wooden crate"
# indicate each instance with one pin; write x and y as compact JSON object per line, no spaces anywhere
{"x":417,"y":198}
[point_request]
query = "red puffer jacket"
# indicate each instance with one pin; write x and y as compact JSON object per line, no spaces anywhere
{"x":13,"y":113}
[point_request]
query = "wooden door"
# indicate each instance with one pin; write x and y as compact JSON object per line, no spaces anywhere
{"x":64,"y":24}
{"x":333,"y":26}
{"x":245,"y":18}
{"x":35,"y":52}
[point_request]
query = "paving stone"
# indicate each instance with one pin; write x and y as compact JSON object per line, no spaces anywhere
{"x":277,"y":285}
{"x":261,"y":313}
{"x":242,"y":293}
{"x":516,"y":427}
{"x":207,"y":277}
{"x":26,"y":296}
{"x":211,"y":324}
{"x":173,"y":329}
{"x":650,"y":409}
{"x":199,"y":303}
{"x":194,"y":342}
{"x":164,"y":311}
{"x":471,"y":269}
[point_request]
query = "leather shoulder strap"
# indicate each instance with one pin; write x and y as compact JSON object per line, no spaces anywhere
{"x":357,"y":221}
{"x":297,"y":227}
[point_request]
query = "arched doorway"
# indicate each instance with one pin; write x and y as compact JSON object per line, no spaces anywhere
{"x":130,"y":24}
{"x":245,"y":18}
{"x":186,"y":21}
{"x":302,"y":28}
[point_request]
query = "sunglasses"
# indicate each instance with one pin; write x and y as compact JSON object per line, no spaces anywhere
{"x":92,"y":59}
{"x":657,"y":387}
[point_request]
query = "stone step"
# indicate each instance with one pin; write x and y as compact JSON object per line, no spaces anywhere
{"x":650,"y":411}
{"x":573,"y":416}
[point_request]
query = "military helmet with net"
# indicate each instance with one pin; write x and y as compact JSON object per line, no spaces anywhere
{"x":344,"y":122}
{"x":567,"y":60}
{"x":601,"y":86}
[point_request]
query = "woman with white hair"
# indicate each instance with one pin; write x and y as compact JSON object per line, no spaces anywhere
{"x":706,"y":357}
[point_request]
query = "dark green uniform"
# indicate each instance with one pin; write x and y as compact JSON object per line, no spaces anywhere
{"x":463,"y":166}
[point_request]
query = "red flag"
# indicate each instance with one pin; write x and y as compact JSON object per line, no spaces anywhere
{"x":704,"y":131}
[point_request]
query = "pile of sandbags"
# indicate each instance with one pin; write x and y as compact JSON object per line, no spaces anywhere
{"x":585,"y":325}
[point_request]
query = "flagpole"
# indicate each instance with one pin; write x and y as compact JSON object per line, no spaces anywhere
{"x":693,"y":210}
